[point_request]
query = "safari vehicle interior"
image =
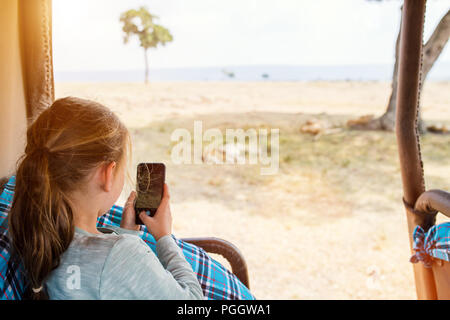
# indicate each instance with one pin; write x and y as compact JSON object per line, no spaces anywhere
{"x":27,"y":87}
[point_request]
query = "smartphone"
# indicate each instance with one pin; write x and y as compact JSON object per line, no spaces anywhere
{"x":149,"y":188}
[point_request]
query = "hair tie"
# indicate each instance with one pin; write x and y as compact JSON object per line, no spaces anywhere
{"x":42,"y":150}
{"x":37,"y":290}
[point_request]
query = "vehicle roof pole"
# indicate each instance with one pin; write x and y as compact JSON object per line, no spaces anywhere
{"x":406,"y":127}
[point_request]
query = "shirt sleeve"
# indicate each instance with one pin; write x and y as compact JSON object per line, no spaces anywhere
{"x":133,"y":271}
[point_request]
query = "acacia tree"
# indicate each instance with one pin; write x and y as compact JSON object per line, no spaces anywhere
{"x":141,"y":24}
{"x":431,"y":52}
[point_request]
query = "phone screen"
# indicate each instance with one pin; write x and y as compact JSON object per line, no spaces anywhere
{"x":149,"y":188}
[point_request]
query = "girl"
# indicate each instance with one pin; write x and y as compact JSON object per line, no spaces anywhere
{"x":72,"y":172}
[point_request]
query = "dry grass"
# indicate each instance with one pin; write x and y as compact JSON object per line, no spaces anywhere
{"x":330,"y":224}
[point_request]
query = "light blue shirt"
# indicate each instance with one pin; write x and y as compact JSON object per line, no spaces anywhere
{"x":119,"y":265}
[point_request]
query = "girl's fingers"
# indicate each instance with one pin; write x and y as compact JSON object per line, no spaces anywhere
{"x":130,"y":200}
{"x":147,"y":220}
{"x":166,"y":193}
{"x":128,"y":216}
{"x":165,"y":197}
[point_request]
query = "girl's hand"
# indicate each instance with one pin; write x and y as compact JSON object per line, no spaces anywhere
{"x":160,"y":224}
{"x":129,"y":215}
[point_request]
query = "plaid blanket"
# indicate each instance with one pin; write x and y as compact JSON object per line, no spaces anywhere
{"x":432,"y":244}
{"x":216,"y":281}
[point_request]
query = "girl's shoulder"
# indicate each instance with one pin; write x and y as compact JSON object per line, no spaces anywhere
{"x":102,"y":244}
{"x":84,"y":262}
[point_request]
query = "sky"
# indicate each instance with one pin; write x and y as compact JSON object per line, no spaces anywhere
{"x":87,"y":34}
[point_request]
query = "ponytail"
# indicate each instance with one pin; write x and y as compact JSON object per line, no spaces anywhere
{"x":63,"y":144}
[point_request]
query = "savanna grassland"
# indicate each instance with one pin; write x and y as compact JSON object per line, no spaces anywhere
{"x":330,"y":224}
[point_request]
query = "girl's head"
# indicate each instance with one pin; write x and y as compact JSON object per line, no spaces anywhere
{"x":67,"y":145}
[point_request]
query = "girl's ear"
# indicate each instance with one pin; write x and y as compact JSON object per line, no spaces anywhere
{"x":108,"y":176}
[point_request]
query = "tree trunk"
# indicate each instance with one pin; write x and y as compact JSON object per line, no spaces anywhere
{"x":434,"y":46}
{"x":146,"y":65}
{"x":431,"y":52}
{"x":387,"y":120}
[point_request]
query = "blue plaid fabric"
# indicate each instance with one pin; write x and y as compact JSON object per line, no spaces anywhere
{"x":216,"y":281}
{"x":432,"y":244}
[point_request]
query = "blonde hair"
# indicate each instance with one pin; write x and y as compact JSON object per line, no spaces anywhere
{"x":67,"y":140}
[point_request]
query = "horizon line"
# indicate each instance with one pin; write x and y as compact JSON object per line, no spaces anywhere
{"x":246,"y":66}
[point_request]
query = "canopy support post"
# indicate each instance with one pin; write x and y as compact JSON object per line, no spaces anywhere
{"x":35,"y":25}
{"x":406,"y":127}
